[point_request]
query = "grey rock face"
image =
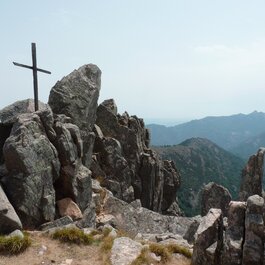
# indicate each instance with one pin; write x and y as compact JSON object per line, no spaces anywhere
{"x":76,"y":96}
{"x":115,"y":167}
{"x":9,"y":114}
{"x":75,"y":178}
{"x":33,"y":165}
{"x":208,"y":242}
{"x":251,"y":182}
{"x":9,"y":221}
{"x":234,"y":235}
{"x":254,"y":232}
{"x":215,"y":196}
{"x":131,"y":170}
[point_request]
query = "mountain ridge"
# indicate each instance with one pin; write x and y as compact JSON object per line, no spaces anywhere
{"x":201,"y":161}
{"x":226,"y":131}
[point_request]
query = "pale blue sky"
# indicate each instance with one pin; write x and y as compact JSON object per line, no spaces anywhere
{"x":175,"y":59}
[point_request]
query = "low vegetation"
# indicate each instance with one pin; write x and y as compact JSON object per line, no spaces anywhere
{"x":163,"y":251}
{"x":73,"y":235}
{"x":14,"y":245}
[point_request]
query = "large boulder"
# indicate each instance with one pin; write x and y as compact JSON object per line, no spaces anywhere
{"x":215,"y":196}
{"x":9,"y":221}
{"x":76,"y":96}
{"x":252,"y":174}
{"x":33,"y":166}
{"x":209,"y":239}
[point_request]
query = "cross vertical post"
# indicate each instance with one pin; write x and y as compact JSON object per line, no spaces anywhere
{"x":35,"y":70}
{"x":35,"y":76}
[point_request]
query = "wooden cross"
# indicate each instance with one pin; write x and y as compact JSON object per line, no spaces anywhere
{"x":35,"y":70}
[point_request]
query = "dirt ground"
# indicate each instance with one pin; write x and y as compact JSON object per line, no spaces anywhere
{"x":46,"y":251}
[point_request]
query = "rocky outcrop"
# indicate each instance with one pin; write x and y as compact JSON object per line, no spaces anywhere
{"x":253,"y":249}
{"x":127,"y":166}
{"x":76,"y":96}
{"x":45,"y":154}
{"x":33,"y":166}
{"x":237,"y":240}
{"x":9,"y":221}
{"x":234,"y":235}
{"x":252,"y":174}
{"x":215,"y":196}
{"x":75,"y":179}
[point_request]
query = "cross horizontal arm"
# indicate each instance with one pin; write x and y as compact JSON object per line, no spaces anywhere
{"x":23,"y":65}
{"x":30,"y":67}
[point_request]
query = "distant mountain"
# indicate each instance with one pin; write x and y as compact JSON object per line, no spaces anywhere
{"x":199,"y":162}
{"x":249,"y":146}
{"x":226,"y":131}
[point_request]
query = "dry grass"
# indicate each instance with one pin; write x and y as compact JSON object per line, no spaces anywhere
{"x":14,"y":245}
{"x":174,"y":248}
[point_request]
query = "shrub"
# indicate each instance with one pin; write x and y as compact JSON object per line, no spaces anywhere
{"x":15,"y":244}
{"x":73,"y":235}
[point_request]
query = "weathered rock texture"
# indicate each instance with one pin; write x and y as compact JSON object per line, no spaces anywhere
{"x":209,"y":240}
{"x":76,"y":96}
{"x":239,"y":242}
{"x":252,"y":174}
{"x":9,"y":221}
{"x":134,"y":218}
{"x":8,"y":117}
{"x":124,"y":251}
{"x":33,"y":166}
{"x":215,"y":196}
{"x":44,"y":155}
{"x":127,"y":166}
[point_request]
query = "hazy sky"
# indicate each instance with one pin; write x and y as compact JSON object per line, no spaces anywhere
{"x":175,"y":59}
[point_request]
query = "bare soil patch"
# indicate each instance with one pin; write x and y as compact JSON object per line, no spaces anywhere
{"x":58,"y":253}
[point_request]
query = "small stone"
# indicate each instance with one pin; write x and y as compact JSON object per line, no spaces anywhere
{"x":42,"y":250}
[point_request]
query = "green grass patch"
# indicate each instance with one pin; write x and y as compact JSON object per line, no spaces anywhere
{"x":14,"y":245}
{"x":74,"y":236}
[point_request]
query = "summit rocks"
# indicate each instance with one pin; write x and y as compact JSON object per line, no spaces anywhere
{"x":50,"y":156}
